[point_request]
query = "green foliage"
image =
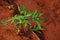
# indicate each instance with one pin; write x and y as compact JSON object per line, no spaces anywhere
{"x":22,"y":10}
{"x":4,"y":22}
{"x":24,"y":18}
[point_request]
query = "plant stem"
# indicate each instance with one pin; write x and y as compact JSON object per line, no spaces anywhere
{"x":15,"y":6}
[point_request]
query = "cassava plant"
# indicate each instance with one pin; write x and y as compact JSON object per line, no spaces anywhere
{"x":23,"y":18}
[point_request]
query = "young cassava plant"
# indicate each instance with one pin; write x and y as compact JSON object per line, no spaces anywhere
{"x":23,"y":18}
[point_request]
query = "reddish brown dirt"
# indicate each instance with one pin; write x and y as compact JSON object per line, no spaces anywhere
{"x":8,"y":32}
{"x":50,"y":10}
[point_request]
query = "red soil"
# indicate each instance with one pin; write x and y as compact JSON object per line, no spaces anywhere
{"x":8,"y":32}
{"x":50,"y":10}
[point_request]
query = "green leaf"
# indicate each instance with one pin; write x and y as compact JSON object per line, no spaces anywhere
{"x":4,"y":22}
{"x":38,"y":26}
{"x":21,"y":17}
{"x":40,"y":14}
{"x":22,"y":9}
{"x":18,"y":25}
{"x":38,"y":20}
{"x":34,"y":13}
{"x":13,"y":18}
{"x":29,"y":14}
{"x":43,"y":19}
{"x":26,"y":22}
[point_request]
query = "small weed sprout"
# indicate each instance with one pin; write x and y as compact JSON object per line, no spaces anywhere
{"x":24,"y":18}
